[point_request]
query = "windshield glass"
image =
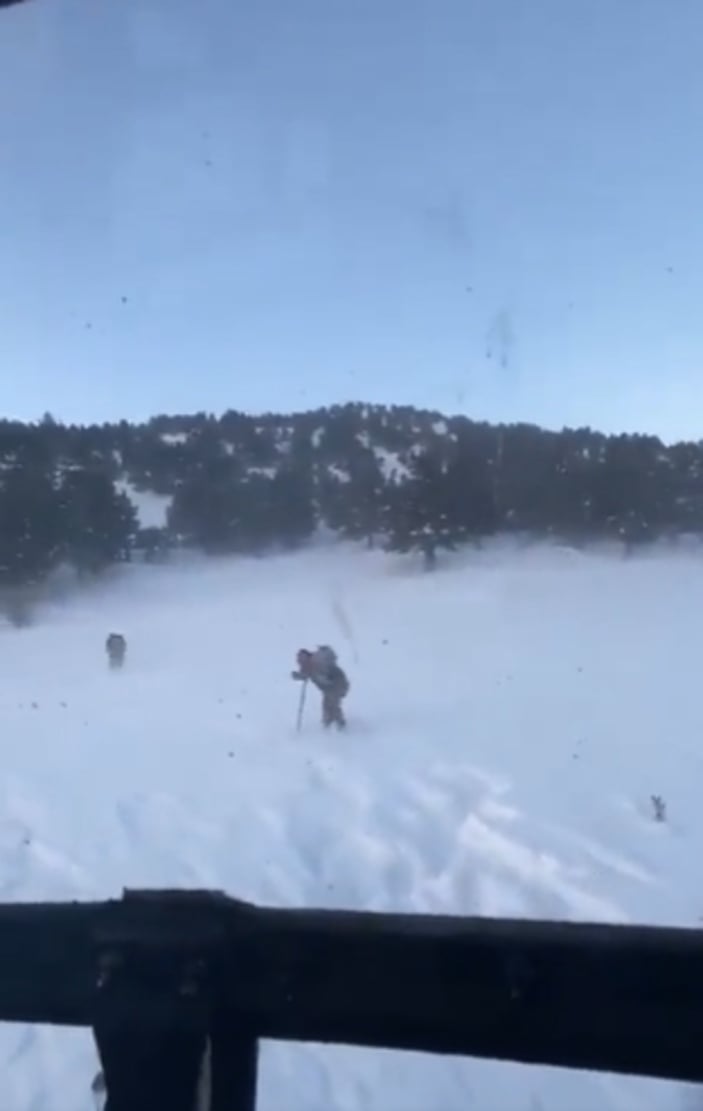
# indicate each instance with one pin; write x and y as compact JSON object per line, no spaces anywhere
{"x":351,"y":481}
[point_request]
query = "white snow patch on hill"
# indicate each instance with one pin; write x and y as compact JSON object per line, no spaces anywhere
{"x":509,"y":720}
{"x":339,"y":473}
{"x":152,"y":509}
{"x":392,"y":467}
{"x":265,"y":472}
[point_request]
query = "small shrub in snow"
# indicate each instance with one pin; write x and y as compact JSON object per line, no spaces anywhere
{"x":659,"y":808}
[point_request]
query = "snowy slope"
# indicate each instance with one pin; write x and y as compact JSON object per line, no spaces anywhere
{"x":152,"y":509}
{"x":510,"y":718}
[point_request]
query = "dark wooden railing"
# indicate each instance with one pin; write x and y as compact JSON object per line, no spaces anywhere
{"x":179,"y":987}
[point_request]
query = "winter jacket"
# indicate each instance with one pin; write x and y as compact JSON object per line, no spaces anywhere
{"x":329,"y":679}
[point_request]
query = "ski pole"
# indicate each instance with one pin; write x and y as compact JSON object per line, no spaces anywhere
{"x":301,"y":705}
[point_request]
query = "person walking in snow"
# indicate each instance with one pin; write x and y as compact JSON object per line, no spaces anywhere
{"x":116,"y":648}
{"x":322,"y":669}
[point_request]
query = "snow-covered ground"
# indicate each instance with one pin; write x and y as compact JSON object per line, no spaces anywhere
{"x":511,"y":716}
{"x":152,"y":509}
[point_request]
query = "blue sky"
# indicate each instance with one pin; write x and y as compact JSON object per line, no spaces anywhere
{"x":482,"y":206}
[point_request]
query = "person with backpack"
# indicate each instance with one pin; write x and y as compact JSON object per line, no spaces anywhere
{"x":321,"y":668}
{"x":116,"y":648}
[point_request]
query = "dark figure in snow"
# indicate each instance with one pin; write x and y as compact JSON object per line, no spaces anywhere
{"x":322,"y":669}
{"x":116,"y":648}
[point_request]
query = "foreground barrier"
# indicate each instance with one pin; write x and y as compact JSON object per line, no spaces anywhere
{"x":179,"y":987}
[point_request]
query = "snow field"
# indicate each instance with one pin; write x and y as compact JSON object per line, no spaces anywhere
{"x":510,"y":717}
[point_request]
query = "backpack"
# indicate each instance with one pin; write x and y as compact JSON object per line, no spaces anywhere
{"x":325,"y":658}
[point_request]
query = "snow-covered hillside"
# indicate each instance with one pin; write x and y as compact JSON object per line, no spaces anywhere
{"x":510,"y":718}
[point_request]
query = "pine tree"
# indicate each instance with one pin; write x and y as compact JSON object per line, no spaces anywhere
{"x":420,"y":518}
{"x":99,"y":523}
{"x":31,"y":529}
{"x":208,"y":508}
{"x":292,"y":504}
